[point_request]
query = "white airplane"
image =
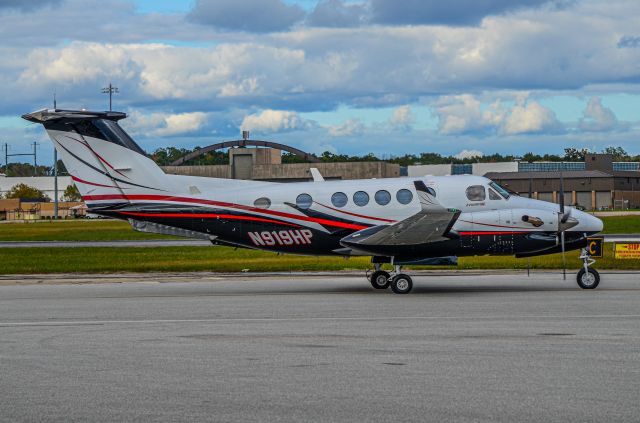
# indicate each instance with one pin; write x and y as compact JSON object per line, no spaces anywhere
{"x":407,"y":220}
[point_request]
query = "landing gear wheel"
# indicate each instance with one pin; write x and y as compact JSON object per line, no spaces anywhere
{"x":589,"y":279}
{"x":401,"y":284}
{"x":380,"y":279}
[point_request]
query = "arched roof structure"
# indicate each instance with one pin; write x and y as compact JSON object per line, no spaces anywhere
{"x":245,"y":143}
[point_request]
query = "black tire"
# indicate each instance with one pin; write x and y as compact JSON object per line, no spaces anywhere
{"x":401,"y":284}
{"x":588,"y":280}
{"x":380,"y":279}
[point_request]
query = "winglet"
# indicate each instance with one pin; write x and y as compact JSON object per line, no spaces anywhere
{"x":427,"y":197}
{"x":315,"y":173}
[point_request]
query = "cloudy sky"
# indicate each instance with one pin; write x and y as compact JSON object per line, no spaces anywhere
{"x":383,"y":76}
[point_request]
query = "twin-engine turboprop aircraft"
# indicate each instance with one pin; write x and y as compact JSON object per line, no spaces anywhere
{"x":396,"y":220}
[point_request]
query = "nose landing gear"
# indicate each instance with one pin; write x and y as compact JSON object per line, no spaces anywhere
{"x":587,"y":277}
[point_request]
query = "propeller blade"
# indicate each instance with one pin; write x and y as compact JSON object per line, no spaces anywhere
{"x":566,"y":221}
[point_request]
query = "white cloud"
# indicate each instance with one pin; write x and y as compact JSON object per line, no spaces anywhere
{"x":467,"y":154}
{"x":597,"y":117}
{"x":164,"y":125}
{"x":466,"y":114}
{"x":402,"y":118}
{"x":274,"y":121}
{"x":349,"y":127}
{"x":530,"y":117}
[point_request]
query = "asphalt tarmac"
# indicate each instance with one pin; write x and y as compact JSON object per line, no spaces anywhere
{"x":200,"y":347}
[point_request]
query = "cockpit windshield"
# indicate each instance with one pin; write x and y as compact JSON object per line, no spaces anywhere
{"x":502,"y":191}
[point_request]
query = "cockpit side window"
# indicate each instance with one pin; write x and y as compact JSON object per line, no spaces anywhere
{"x":502,"y":191}
{"x":494,"y":195}
{"x":476,"y":193}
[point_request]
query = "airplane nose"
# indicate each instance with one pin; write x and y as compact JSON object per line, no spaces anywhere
{"x":586,"y":222}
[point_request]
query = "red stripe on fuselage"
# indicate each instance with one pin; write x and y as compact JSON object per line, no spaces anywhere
{"x":222,"y":204}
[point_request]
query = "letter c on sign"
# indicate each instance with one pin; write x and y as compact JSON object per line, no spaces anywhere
{"x":591,"y":245}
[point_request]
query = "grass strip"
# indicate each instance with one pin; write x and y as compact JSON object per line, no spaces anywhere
{"x":76,"y":230}
{"x":224,"y":259}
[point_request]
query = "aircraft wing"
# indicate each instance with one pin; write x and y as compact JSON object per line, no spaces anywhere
{"x":431,"y":224}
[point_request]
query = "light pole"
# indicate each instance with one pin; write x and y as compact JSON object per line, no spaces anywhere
{"x":110,"y":90}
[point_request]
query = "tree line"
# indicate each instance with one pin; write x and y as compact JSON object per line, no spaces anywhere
{"x":165,"y":156}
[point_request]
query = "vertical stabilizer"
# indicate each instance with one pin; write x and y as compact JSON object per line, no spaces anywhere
{"x":105,"y":163}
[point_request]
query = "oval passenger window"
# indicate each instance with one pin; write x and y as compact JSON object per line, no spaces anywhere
{"x":304,"y":201}
{"x":339,"y":199}
{"x":404,"y":196}
{"x":382,"y":197}
{"x":361,"y":198}
{"x":262,"y":203}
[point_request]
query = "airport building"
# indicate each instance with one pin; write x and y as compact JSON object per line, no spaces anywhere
{"x":596,"y":183}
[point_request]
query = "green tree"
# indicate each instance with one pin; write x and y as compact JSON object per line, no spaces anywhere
{"x":26,"y":169}
{"x":575,"y":155}
{"x":71,"y":193}
{"x":166,"y":156}
{"x":25,"y":191}
{"x":618,"y":153}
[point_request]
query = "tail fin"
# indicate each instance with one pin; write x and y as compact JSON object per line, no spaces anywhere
{"x":104,"y":161}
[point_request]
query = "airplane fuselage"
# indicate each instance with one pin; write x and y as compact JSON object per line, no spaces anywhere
{"x":313,"y":217}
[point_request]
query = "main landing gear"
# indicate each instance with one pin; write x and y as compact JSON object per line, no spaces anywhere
{"x":588,"y":278}
{"x":400,"y":283}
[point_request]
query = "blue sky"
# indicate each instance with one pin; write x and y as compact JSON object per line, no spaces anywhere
{"x":389,"y":77}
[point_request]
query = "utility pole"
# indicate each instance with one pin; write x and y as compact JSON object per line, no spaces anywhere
{"x":110,"y":90}
{"x":7,"y":155}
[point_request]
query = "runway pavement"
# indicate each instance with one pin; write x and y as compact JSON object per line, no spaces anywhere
{"x":201,"y":347}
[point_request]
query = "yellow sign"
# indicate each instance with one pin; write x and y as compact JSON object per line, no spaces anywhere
{"x":594,"y":247}
{"x":627,"y":250}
